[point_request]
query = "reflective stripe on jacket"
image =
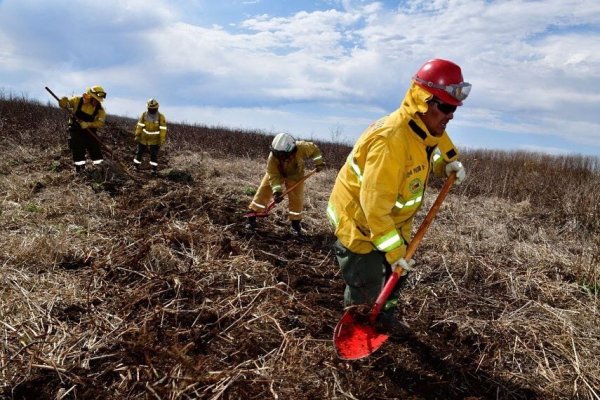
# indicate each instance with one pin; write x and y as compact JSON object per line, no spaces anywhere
{"x":381,"y":186}
{"x":292,"y":168}
{"x":151,"y":129}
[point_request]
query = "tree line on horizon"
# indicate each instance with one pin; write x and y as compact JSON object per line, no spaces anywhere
{"x":563,"y":189}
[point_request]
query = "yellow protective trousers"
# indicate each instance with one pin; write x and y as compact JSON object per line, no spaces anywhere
{"x":264,"y":195}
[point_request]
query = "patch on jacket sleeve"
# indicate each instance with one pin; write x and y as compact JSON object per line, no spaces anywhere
{"x":415,"y":186}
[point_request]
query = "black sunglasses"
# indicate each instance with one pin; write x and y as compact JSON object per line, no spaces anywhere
{"x":444,"y":107}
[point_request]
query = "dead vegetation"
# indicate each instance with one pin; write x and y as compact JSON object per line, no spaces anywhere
{"x":151,"y":288}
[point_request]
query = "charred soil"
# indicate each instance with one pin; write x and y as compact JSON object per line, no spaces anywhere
{"x":152,"y":287}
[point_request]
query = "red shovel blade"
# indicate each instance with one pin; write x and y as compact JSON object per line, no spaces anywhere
{"x":354,"y":339}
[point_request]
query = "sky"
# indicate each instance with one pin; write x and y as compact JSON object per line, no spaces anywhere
{"x":320,"y":69}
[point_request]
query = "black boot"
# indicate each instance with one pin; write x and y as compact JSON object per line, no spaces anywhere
{"x":388,"y":322}
{"x":296,"y":228}
{"x":251,"y":224}
{"x":154,"y":170}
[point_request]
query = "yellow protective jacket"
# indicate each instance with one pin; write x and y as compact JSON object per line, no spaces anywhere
{"x":293,"y":168}
{"x":151,"y":129}
{"x":95,"y":116}
{"x":380,"y":187}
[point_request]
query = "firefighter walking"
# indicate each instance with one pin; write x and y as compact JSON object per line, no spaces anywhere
{"x":150,"y":135}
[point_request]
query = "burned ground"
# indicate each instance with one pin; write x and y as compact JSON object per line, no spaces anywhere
{"x":152,"y":287}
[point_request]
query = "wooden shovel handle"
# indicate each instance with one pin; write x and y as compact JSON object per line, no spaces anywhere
{"x":412,"y":247}
{"x":272,"y":202}
{"x":305,"y":177}
{"x":416,"y":240}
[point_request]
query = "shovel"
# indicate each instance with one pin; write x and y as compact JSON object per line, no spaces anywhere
{"x":355,"y":336}
{"x":272,"y":203}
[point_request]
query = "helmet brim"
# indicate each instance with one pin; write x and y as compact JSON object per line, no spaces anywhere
{"x":98,"y":98}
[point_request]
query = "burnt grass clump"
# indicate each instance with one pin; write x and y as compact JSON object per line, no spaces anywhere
{"x":122,"y":285}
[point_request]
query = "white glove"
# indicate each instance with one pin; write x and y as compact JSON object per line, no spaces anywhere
{"x":456,"y":166}
{"x":407,"y":266}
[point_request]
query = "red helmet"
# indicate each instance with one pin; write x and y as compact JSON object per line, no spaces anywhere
{"x":443,"y":79}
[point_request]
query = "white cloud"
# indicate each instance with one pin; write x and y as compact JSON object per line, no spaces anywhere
{"x":534,"y":65}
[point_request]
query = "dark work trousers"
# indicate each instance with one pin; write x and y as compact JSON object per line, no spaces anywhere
{"x":365,"y":275}
{"x":150,"y":148}
{"x":81,"y":141}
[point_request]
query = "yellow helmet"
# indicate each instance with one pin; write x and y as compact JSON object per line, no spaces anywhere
{"x":97,"y":92}
{"x":152,"y":103}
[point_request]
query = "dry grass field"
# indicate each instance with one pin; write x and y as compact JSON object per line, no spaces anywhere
{"x":113,"y":287}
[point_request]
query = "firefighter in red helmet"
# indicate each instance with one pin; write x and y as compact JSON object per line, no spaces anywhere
{"x":381,"y":187}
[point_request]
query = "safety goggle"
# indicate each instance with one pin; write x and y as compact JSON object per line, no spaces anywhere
{"x":458,"y":91}
{"x":98,"y":93}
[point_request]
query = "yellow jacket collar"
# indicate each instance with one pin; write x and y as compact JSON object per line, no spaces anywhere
{"x":415,"y":101}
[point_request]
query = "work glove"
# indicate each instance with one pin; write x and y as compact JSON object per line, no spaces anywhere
{"x":456,"y":166}
{"x":84,"y":125}
{"x":63,"y":102}
{"x":278,"y":197}
{"x":320,"y":167}
{"x":407,"y":266}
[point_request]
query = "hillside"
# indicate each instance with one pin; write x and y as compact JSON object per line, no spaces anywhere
{"x":115,"y":287}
